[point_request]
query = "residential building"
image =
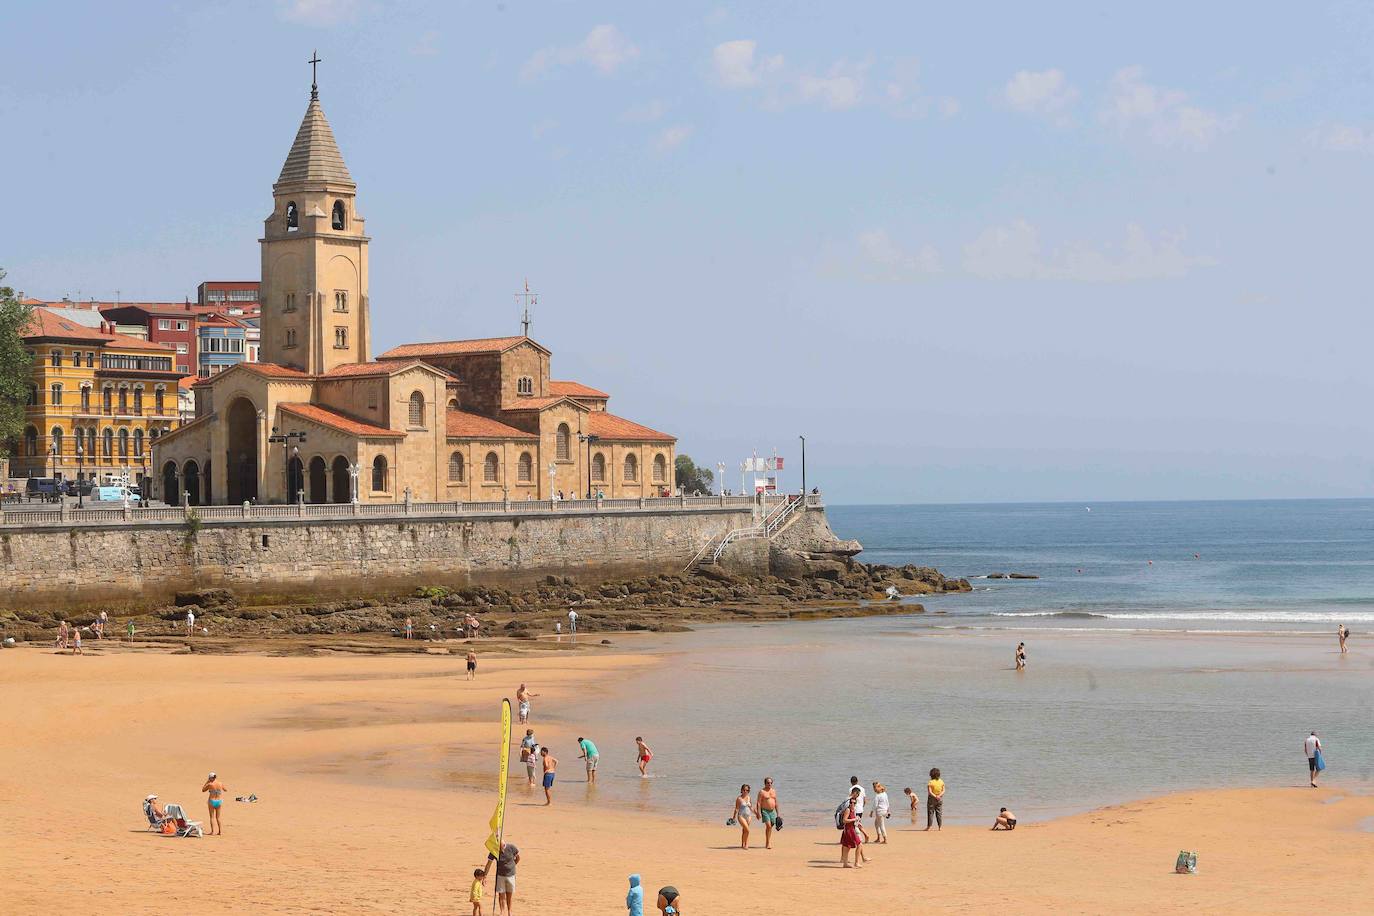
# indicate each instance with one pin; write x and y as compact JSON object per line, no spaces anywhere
{"x":170,"y":323}
{"x":221,"y":343}
{"x":97,"y":402}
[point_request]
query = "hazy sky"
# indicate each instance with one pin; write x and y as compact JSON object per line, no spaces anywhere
{"x":971,"y":251}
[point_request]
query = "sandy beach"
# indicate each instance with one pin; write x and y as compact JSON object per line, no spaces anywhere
{"x":364,"y":768}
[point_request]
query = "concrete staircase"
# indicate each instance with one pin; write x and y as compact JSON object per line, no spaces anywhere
{"x":781,"y":516}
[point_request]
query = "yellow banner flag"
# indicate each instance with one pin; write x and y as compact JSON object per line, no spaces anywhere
{"x":498,"y":817}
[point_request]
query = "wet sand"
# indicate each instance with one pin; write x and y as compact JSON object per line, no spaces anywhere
{"x":363,"y":767}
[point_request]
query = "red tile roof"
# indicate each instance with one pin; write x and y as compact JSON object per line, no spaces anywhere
{"x":464,"y":425}
{"x":575,"y":390}
{"x":44,"y":323}
{"x":187,"y":381}
{"x":609,"y":426}
{"x":353,"y":370}
{"x":543,"y":403}
{"x":456,"y":347}
{"x":272,"y":370}
{"x":335,"y":420}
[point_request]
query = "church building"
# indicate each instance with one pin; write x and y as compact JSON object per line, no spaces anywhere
{"x":320,"y":419}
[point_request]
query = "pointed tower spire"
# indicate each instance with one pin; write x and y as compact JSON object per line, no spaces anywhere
{"x":314,"y":155}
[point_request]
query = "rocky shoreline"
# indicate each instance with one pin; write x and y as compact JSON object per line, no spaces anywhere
{"x":800,"y":585}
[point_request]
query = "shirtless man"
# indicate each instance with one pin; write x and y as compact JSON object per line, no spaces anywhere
{"x":642,"y":756}
{"x":1342,"y":634}
{"x":550,"y":769}
{"x":1006,"y":820}
{"x":1020,"y":656}
{"x":768,"y":810}
{"x":216,"y":790}
{"x":472,"y":664}
{"x":522,"y":695}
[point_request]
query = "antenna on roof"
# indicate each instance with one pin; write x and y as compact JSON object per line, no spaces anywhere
{"x":526,"y":299}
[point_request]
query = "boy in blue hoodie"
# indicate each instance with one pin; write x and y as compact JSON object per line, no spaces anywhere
{"x":634,"y":900}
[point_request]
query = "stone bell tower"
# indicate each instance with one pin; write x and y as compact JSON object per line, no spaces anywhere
{"x":314,"y":257}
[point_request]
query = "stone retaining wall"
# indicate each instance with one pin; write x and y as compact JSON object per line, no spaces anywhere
{"x":144,"y":564}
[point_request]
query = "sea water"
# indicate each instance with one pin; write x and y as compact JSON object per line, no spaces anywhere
{"x":1138,"y":699}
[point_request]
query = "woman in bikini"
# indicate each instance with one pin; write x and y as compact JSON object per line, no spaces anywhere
{"x":644,"y":755}
{"x":744,"y":812}
{"x":216,"y":790}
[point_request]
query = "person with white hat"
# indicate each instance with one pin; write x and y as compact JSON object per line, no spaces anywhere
{"x":217,"y":790}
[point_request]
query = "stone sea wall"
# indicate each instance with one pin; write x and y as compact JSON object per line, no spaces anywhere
{"x":144,"y":564}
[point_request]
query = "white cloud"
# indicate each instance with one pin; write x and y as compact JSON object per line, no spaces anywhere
{"x":652,"y":110}
{"x":880,"y":258}
{"x":427,"y":46}
{"x":1163,"y":116}
{"x":1342,"y":138}
{"x":606,"y":49}
{"x":842,"y":86}
{"x":1014,"y":252}
{"x":670,"y":138}
{"x":736,"y":68}
{"x":1040,"y":92}
{"x":320,"y":13}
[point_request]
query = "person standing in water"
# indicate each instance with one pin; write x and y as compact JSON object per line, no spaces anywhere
{"x":768,"y":810}
{"x":550,"y":770}
{"x":529,"y":754}
{"x":643,"y":755}
{"x":522,"y":695}
{"x":216,"y":801}
{"x":743,"y":814}
{"x":592,"y":756}
{"x":1312,"y":746}
{"x":1020,"y":656}
{"x":1342,"y":633}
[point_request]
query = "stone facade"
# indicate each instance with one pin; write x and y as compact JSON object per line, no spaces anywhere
{"x":145,"y":563}
{"x":471,"y":420}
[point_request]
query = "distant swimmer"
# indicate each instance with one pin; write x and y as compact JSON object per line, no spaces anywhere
{"x":1149,"y":562}
{"x":1197,"y":556}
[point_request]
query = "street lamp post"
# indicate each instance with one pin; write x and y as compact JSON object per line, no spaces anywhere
{"x":286,"y":439}
{"x":80,"y":502}
{"x":589,"y":439}
{"x":353,"y":475}
{"x":803,"y":442}
{"x":553,"y":477}
{"x":720,"y":474}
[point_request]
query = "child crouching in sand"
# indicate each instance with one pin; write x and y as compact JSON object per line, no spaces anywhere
{"x":478,"y":876}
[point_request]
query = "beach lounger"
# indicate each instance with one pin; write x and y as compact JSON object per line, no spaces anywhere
{"x":175,"y":815}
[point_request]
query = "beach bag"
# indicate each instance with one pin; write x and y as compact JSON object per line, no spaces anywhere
{"x":839,"y":814}
{"x":1186,"y":863}
{"x":169,"y":828}
{"x":1321,"y":761}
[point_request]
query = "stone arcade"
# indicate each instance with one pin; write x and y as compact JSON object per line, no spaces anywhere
{"x":471,"y":420}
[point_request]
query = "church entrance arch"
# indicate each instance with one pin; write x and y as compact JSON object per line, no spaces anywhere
{"x":241,"y":453}
{"x":190,"y":482}
{"x":319,"y":481}
{"x":343,"y":489}
{"x":171,"y":493}
{"x":295,"y":478}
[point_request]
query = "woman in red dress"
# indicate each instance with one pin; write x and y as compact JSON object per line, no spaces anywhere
{"x":852,"y":836}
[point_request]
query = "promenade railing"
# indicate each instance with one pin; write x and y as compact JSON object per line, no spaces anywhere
{"x":118,"y":514}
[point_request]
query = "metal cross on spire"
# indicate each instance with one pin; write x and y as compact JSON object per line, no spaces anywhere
{"x":528,"y":299}
{"x":314,"y":76}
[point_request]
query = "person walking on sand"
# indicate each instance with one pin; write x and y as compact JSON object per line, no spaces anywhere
{"x":1020,"y":656}
{"x":410,"y":628}
{"x":63,"y":631}
{"x":472,"y":665}
{"x":1312,"y":747}
{"x":522,"y":696}
{"x":854,"y":784}
{"x":589,"y":754}
{"x":634,"y":900}
{"x":1342,"y":633}
{"x":529,"y":754}
{"x":935,"y":800}
{"x":768,"y":811}
{"x":642,"y":756}
{"x":1006,"y":820}
{"x":882,"y":810}
{"x":550,"y":770}
{"x":76,"y":640}
{"x":852,"y":835}
{"x":216,"y":801}
{"x":743,"y":814}
{"x":190,"y":622}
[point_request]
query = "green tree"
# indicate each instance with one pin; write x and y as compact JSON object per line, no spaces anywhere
{"x":690,"y":478}
{"x":15,"y":374}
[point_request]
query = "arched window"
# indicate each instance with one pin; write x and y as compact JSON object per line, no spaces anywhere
{"x":31,"y":442}
{"x":158,"y":399}
{"x":107,"y":440}
{"x":417,"y":409}
{"x":631,"y":468}
{"x":660,"y":469}
{"x":337,"y":219}
{"x":491,"y":468}
{"x":599,"y":468}
{"x":455,"y":468}
{"x":107,"y":399}
{"x":379,"y":474}
{"x":57,"y":359}
{"x":293,"y":219}
{"x":340,"y":300}
{"x":138,"y":442}
{"x":123,"y":400}
{"x":524,"y":468}
{"x":90,"y":442}
{"x":57,"y":440}
{"x":85,"y":398}
{"x":33,"y":395}
{"x":563,"y":443}
{"x":452,"y":403}
{"x":138,"y":401}
{"x":524,"y":385}
{"x":57,"y":395}
{"x":124,"y":443}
